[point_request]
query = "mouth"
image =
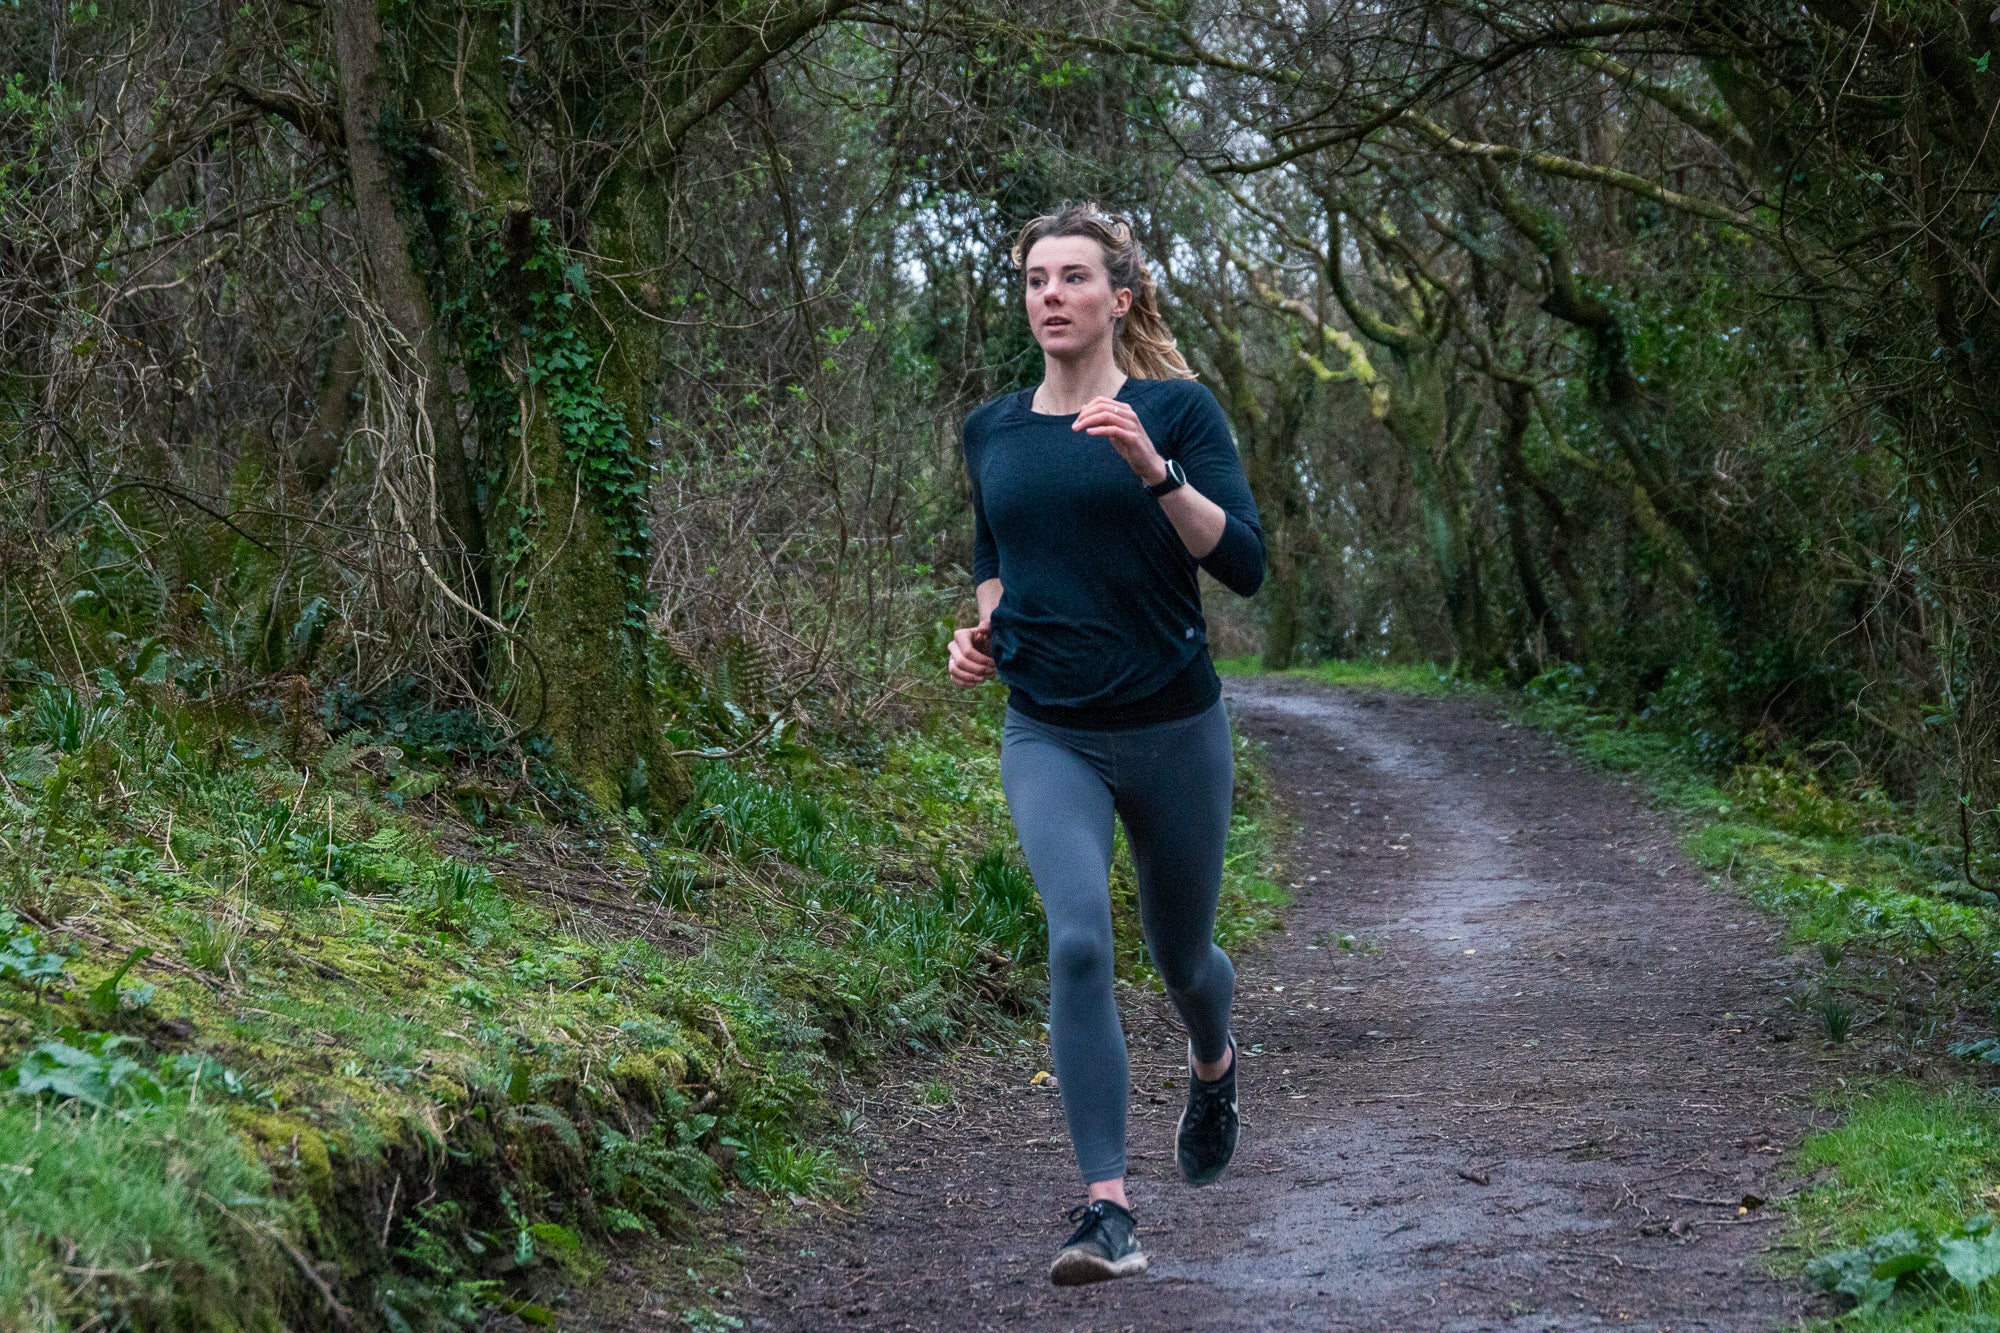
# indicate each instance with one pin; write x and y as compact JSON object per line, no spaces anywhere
{"x":1055,"y":322}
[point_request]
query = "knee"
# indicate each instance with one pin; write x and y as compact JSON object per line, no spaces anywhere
{"x":1195,"y":972}
{"x":1078,"y":957}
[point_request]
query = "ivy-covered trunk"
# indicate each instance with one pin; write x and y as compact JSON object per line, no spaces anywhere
{"x":591,"y":386}
{"x":503,"y":237}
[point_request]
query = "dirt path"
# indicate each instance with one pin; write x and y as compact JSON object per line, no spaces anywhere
{"x":1530,"y":1099}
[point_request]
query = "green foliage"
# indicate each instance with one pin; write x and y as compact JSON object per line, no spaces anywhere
{"x":523,"y":294}
{"x":89,"y":1068}
{"x":1795,"y":799}
{"x":780,"y":1164}
{"x":1906,"y":1208}
{"x":22,"y":959}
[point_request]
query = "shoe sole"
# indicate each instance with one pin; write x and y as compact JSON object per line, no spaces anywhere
{"x":1075,"y":1268}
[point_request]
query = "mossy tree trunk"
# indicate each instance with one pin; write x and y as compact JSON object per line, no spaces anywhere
{"x":540,"y":276}
{"x":1428,"y":414}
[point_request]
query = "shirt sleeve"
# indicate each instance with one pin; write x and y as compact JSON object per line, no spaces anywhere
{"x":1207,"y":453}
{"x":985,"y":554}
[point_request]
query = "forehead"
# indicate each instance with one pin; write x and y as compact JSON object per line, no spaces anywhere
{"x":1059,"y":252}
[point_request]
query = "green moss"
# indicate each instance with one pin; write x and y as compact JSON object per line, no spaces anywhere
{"x":283,"y":1136}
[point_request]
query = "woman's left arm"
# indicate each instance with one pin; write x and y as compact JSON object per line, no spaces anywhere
{"x":1229,"y":542}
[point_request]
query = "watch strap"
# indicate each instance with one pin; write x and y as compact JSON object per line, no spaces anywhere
{"x":1173,"y":481}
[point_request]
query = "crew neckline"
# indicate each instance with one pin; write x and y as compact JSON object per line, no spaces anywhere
{"x":1028,"y":401}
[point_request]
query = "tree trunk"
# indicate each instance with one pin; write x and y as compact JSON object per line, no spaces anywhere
{"x":385,"y":242}
{"x":564,"y":372}
{"x":1283,"y":580}
{"x":1517,"y":411}
{"x":586,"y":616}
{"x":1419,"y":417}
{"x":318,"y":452}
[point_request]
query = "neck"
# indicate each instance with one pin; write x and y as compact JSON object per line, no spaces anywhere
{"x":1070,"y":382}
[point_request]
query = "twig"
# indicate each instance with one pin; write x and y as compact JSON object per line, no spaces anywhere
{"x":333,"y":1306}
{"x":390,"y":1216}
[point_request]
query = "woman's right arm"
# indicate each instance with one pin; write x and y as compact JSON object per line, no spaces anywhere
{"x":972,"y":649}
{"x":971,"y":661}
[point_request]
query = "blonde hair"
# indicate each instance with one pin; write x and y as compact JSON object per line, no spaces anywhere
{"x":1143,"y":346}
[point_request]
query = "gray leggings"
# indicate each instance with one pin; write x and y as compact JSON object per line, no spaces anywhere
{"x":1170,"y":784}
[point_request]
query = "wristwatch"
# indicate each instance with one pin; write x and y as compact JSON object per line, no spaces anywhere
{"x":1173,"y":481}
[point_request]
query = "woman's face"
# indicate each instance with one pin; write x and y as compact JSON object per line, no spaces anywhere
{"x":1071,"y":304}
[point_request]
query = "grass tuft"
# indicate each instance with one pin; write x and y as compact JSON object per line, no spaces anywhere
{"x":157,"y":1213}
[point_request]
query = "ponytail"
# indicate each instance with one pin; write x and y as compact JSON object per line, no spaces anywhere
{"x":1144,"y":347}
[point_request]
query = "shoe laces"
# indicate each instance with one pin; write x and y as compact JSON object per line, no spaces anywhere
{"x":1087,"y":1216}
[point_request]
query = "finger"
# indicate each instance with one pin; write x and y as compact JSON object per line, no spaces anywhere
{"x":1115,"y":432}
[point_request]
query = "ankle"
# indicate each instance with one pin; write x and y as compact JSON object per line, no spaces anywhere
{"x":1208,"y":1071}
{"x":1111,"y":1191}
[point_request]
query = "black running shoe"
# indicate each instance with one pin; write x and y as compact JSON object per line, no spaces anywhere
{"x":1207,"y":1136}
{"x":1106,"y":1245}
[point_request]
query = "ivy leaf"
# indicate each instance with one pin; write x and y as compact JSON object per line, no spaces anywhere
{"x":1901,"y":1252}
{"x":1851,"y":1273}
{"x":1971,"y":1261}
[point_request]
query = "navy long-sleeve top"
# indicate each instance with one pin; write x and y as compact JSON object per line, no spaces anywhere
{"x":1101,"y":608}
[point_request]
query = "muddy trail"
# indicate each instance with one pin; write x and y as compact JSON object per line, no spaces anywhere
{"x":1532,"y":1095}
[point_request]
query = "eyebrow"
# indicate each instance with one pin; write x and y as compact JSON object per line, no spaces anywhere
{"x":1066,"y":268}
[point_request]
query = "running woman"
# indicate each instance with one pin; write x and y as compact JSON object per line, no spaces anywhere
{"x":1096,"y":496}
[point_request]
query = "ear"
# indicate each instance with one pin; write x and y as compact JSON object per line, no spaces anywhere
{"x":1121,"y":303}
